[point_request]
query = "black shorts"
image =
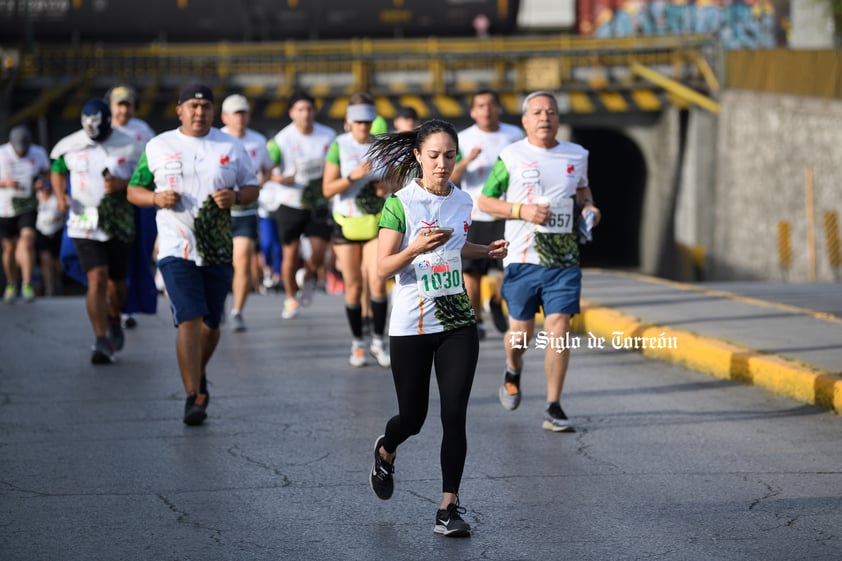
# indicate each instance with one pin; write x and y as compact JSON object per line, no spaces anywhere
{"x":114,"y":254}
{"x":50,"y":244}
{"x":483,"y":233}
{"x":295,"y":222}
{"x":11,"y":226}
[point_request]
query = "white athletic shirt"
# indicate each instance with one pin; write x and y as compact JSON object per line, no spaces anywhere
{"x":531,"y":174}
{"x":477,"y":171}
{"x":85,"y":161}
{"x":138,"y":129}
{"x":348,"y":154}
{"x":24,"y":170}
{"x":411,"y":211}
{"x":302,"y":155}
{"x":50,"y":219}
{"x":196,"y":168}
{"x":255,"y":145}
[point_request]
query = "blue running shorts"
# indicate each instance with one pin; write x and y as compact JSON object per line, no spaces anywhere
{"x":528,"y":287}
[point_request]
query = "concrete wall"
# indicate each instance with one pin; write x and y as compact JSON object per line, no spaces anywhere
{"x":765,"y":143}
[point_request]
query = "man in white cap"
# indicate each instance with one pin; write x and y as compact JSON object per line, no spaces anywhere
{"x":236,"y":115}
{"x":122,"y":101}
{"x":23,"y":169}
{"x":142,"y":295}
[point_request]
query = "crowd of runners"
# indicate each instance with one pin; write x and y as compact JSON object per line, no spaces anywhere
{"x":404,"y":220}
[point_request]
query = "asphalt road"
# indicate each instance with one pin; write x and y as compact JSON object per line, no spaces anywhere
{"x":667,"y":463}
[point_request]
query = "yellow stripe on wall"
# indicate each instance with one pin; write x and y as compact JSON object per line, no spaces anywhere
{"x":613,"y":101}
{"x":580,"y":103}
{"x":646,"y":100}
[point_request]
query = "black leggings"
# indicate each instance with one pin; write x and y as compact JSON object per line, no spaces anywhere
{"x":454,"y":354}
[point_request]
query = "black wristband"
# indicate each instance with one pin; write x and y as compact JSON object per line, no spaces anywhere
{"x":236,"y":197}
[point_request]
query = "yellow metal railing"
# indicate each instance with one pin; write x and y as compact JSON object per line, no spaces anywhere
{"x":433,"y":66}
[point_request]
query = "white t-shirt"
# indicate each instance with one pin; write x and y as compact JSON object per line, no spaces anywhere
{"x":50,"y":219}
{"x":302,"y":155}
{"x":534,"y":174}
{"x":25,"y":170}
{"x":86,"y":161}
{"x":255,"y":145}
{"x":477,"y":171}
{"x":348,"y":154}
{"x":429,"y":295}
{"x":196,"y":168}
{"x":139,"y":130}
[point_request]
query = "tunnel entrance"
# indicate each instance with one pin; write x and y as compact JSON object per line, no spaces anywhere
{"x":617,"y":174}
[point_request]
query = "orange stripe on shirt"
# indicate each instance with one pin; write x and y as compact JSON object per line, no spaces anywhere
{"x":186,"y":243}
{"x":525,"y":249}
{"x":421,"y":316}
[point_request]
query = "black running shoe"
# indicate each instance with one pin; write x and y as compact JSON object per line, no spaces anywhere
{"x":115,"y":334}
{"x":194,"y":409}
{"x":381,"y":477}
{"x":481,"y":330}
{"x":555,"y":420}
{"x":102,"y":352}
{"x":501,"y":322}
{"x":449,"y":522}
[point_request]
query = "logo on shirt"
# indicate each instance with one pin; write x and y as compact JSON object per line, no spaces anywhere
{"x":427,"y":225}
{"x":465,"y":225}
{"x":224,"y":160}
{"x":570,"y":169}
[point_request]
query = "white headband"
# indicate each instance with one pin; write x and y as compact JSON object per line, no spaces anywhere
{"x":361,"y":113}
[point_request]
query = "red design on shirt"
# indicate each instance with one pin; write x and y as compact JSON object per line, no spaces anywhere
{"x":570,"y":168}
{"x":224,"y":160}
{"x":465,"y":225}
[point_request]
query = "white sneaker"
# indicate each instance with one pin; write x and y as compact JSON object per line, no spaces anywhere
{"x":290,"y":308}
{"x":380,"y":351}
{"x":357,"y":355}
{"x":305,"y":287}
{"x":237,"y":323}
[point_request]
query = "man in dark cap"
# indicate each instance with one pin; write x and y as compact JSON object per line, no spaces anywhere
{"x":193,"y":175}
{"x":406,"y":119}
{"x":23,"y":169}
{"x":99,"y":160}
{"x":298,"y":152}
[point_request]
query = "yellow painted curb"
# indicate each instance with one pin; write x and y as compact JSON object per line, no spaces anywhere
{"x":711,"y":356}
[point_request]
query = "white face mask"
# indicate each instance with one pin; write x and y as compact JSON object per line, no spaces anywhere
{"x":91,"y":124}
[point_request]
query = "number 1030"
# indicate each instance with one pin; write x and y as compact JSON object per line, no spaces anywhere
{"x":439,"y":281}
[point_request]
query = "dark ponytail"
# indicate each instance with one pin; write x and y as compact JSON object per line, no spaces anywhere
{"x":393,"y":151}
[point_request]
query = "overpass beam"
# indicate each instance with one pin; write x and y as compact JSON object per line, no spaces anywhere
{"x":675,"y":87}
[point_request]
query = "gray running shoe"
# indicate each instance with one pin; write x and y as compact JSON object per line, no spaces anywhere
{"x":555,"y":420}
{"x":509,"y":392}
{"x":238,"y":325}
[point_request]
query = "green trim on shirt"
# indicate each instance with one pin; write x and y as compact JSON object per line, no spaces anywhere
{"x":142,"y":177}
{"x":332,"y":155}
{"x":59,"y":166}
{"x":498,"y":180}
{"x":274,"y":151}
{"x":393,"y":217}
